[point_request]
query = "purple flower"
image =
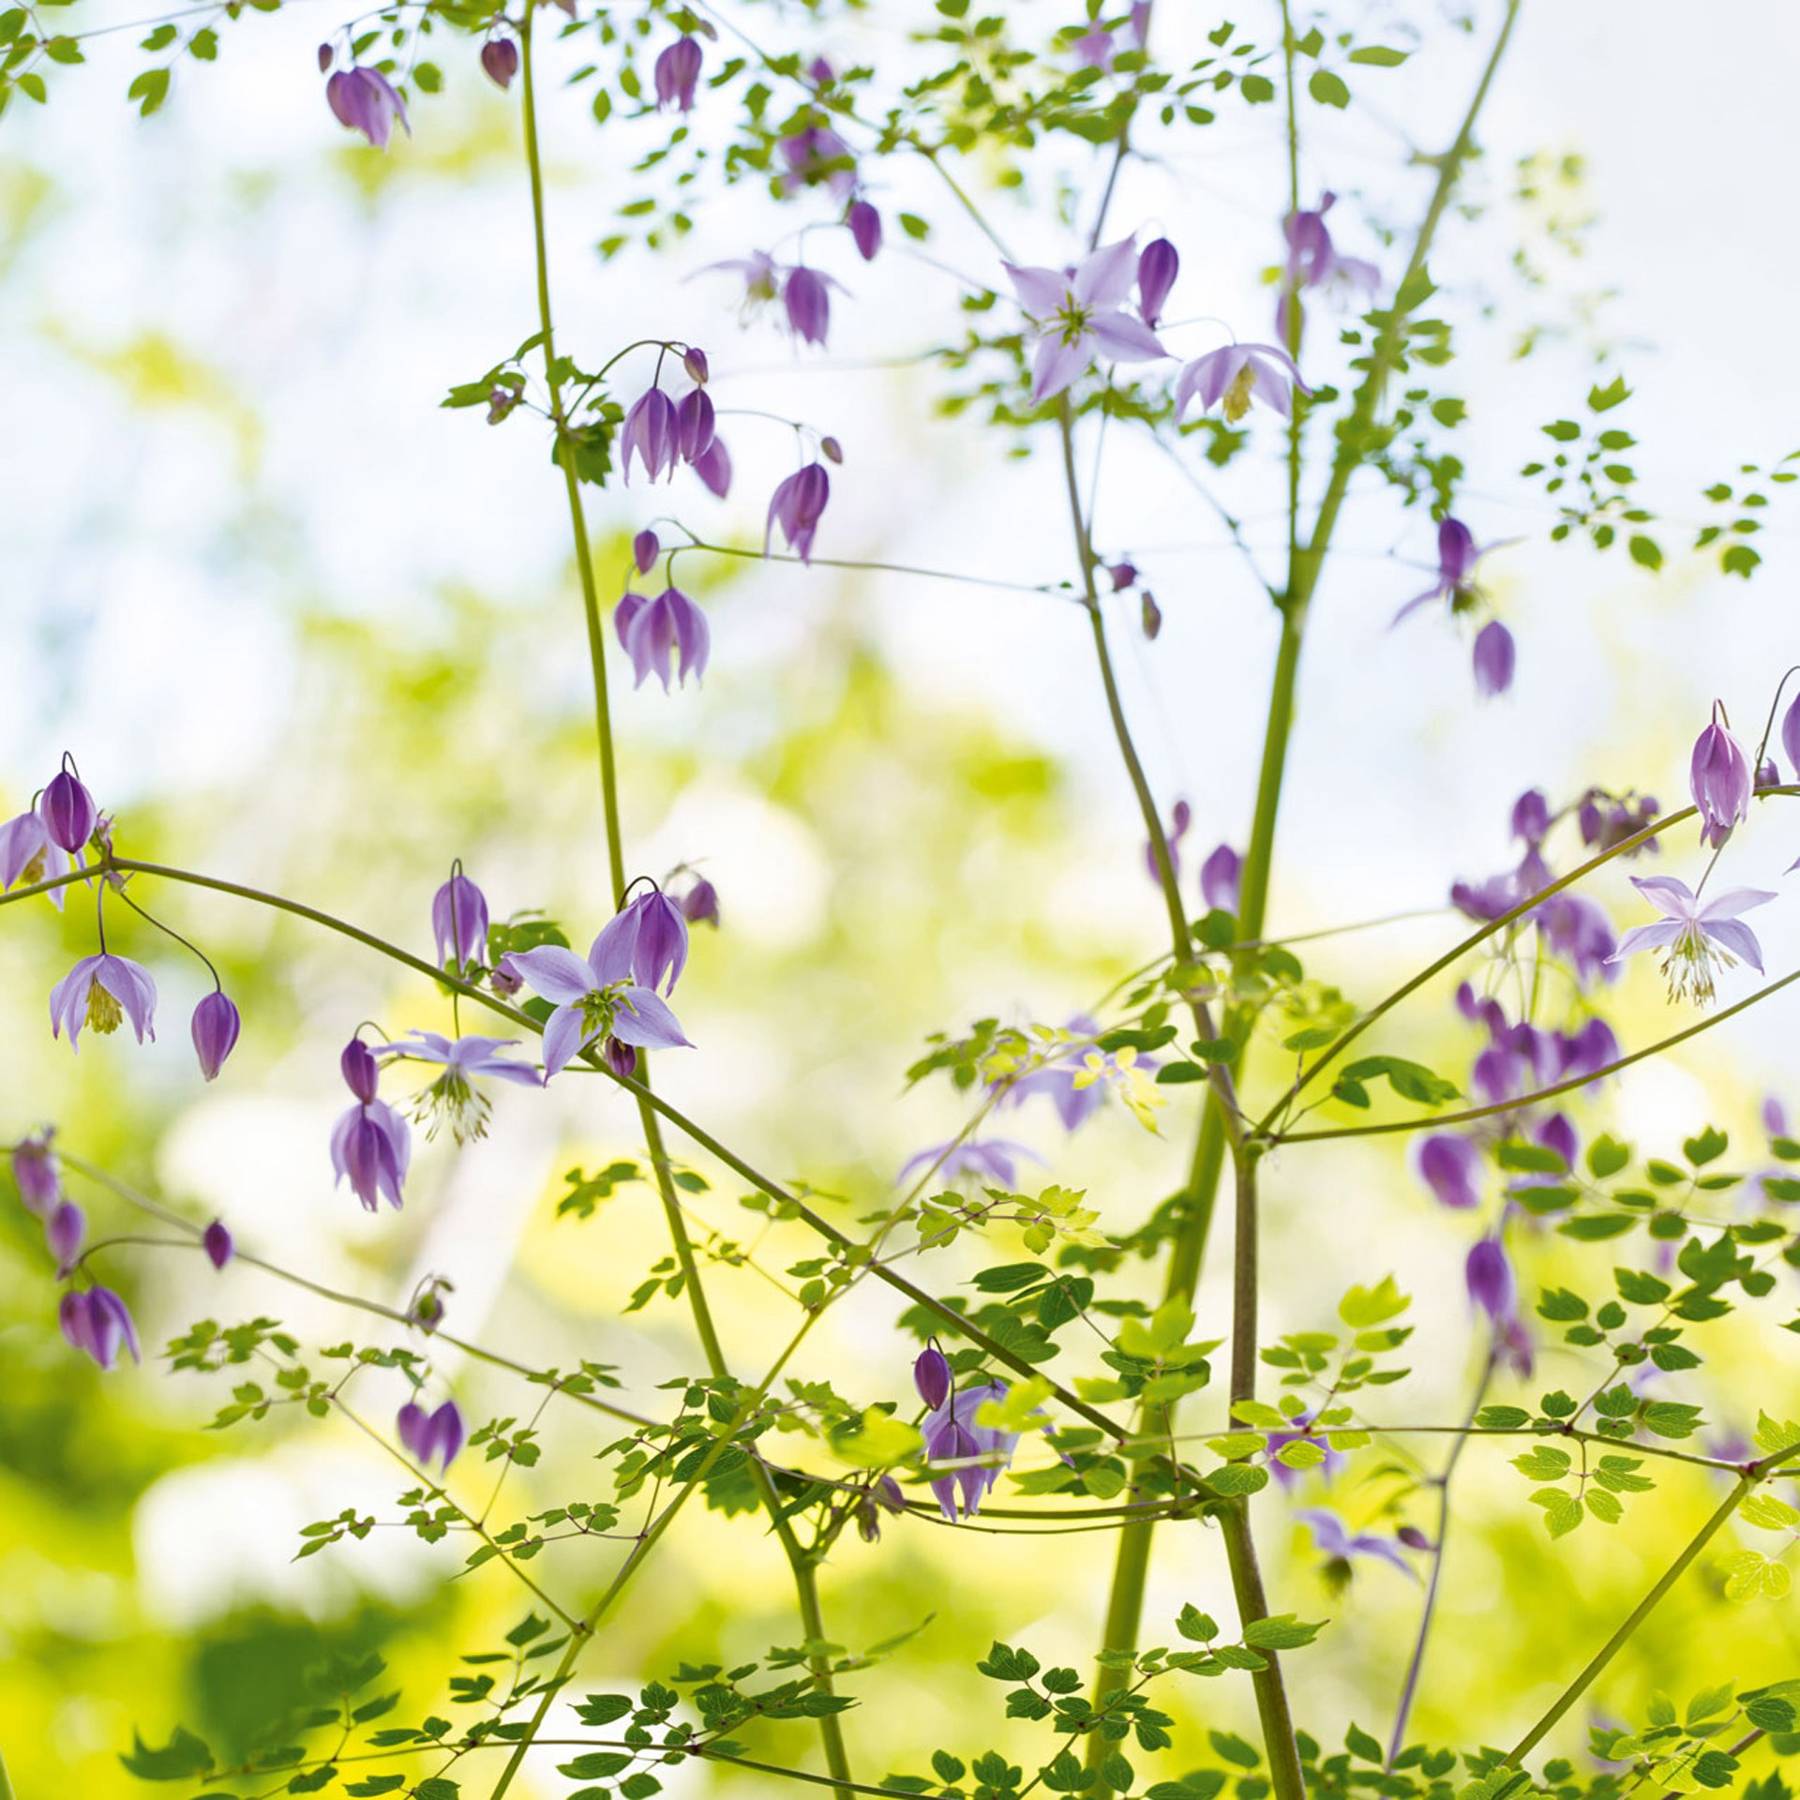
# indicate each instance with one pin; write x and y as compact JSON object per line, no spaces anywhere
{"x":1342,"y":1549}
{"x":1077,"y":1094}
{"x":646,"y":941}
{"x":676,"y":74}
{"x":931,"y":1376}
{"x":1512,"y":1345}
{"x":817,"y":155}
{"x":68,"y":810}
{"x":806,"y":296}
{"x":953,"y":1436}
{"x":430,"y":1437}
{"x":459,"y":921}
{"x":1495,"y":658}
{"x":1181,"y":816}
{"x":1458,"y":557}
{"x":865,"y":229}
{"x":650,"y":431}
{"x":1220,"y":876}
{"x":693,"y":425}
{"x":713,"y":466}
{"x":645,"y":548}
{"x":1489,"y":1277}
{"x":1237,"y":374}
{"x":452,"y":1098}
{"x":991,"y":1160}
{"x":620,"y":1058}
{"x":1606,"y":820}
{"x":1790,"y":735}
{"x":216,"y":1242}
{"x":34,"y":1169}
{"x":1093,"y":49}
{"x":364,"y":100}
{"x":1451,"y":1167}
{"x":1313,"y":262}
{"x":1486,"y":900}
{"x":500,"y":61}
{"x":700,"y":904}
{"x":28,"y":855}
{"x":372,"y":1144}
{"x":1719,"y":779}
{"x":1588,"y":1051}
{"x":101,"y":991}
{"x":1276,"y":1440}
{"x":361,"y":1072}
{"x":1158,"y":265}
{"x":760,"y":273}
{"x":596,"y":997}
{"x":1077,"y":315}
{"x":63,"y":1232}
{"x":1531,"y":817}
{"x":651,"y":630}
{"x":1577,"y":929}
{"x":214,"y":1028}
{"x":1697,"y":938}
{"x":796,"y":506}
{"x":99,"y":1323}
{"x":1774,"y":1122}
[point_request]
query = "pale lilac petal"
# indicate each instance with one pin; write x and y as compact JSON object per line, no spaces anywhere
{"x":643,"y":1019}
{"x":613,"y":953}
{"x":1040,"y":291}
{"x":1208,"y":376}
{"x":1105,"y":278}
{"x":1124,"y":338}
{"x":1056,"y":365}
{"x":1738,"y":938}
{"x":1270,"y":388}
{"x":1733,"y":902}
{"x":1674,"y":896}
{"x":556,"y":973}
{"x":565,"y":1034}
{"x":1647,"y":937}
{"x":1440,"y":591}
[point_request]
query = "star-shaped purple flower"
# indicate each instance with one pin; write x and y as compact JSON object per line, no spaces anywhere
{"x":1078,"y":316}
{"x":1698,"y":938}
{"x":596,"y":997}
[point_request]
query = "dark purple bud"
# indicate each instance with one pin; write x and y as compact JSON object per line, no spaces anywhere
{"x":1413,"y":1538}
{"x":1557,"y":1134}
{"x":63,"y":1232}
{"x":865,"y":227}
{"x":1220,"y":876}
{"x":500,"y":61}
{"x":324,"y":59}
{"x":1790,"y":735}
{"x":1490,"y":1279}
{"x":700,"y":905}
{"x":1157,"y":268}
{"x":459,"y":921}
{"x":831,"y":450}
{"x":1152,"y":616}
{"x":1124,"y":575}
{"x":677,"y":73}
{"x":1494,"y":659}
{"x":693,"y":359}
{"x":931,"y":1376}
{"x":714,"y":468}
{"x":443,"y":1435}
{"x":215,"y":1031}
{"x":694,"y":425}
{"x":650,"y":433}
{"x":620,"y":1058}
{"x":1531,"y":817}
{"x":216,"y":1241}
{"x":797,"y":506}
{"x":506,"y":979}
{"x":362,"y":1074}
{"x":1451,"y":1167}
{"x":1718,"y":777}
{"x":68,"y":810}
{"x":645,"y":548}
{"x":808,"y":304}
{"x":1769,"y":774}
{"x":98,"y":1323}
{"x":821,"y":71}
{"x":34,"y":1169}
{"x":410,"y":1425}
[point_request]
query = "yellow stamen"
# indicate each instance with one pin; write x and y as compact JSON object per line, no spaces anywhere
{"x":1237,"y":396}
{"x":103,"y":1012}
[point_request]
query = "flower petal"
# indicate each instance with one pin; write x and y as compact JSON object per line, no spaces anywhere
{"x":1647,"y":937}
{"x":643,"y":1019}
{"x":555,"y":972}
{"x":1733,"y":902}
{"x":1736,"y":937}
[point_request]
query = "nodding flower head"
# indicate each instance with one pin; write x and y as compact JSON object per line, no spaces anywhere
{"x":645,"y":941}
{"x":216,"y":1242}
{"x":1719,"y":779}
{"x":646,"y":547}
{"x":1221,"y":876}
{"x":1158,"y":265}
{"x":370,"y":1143}
{"x":453,"y":1099}
{"x":652,"y":630}
{"x":1698,"y":939}
{"x":931,"y":1376}
{"x":103,"y":991}
{"x":1232,"y":377}
{"x":98,"y":1322}
{"x":865,"y":229}
{"x":28,"y":854}
{"x":68,"y":810}
{"x":459,"y":921}
{"x":806,"y":296}
{"x":700,"y":904}
{"x":34,"y":1169}
{"x":713,"y":466}
{"x":651,"y":433}
{"x":1495,"y":658}
{"x":797,"y":505}
{"x":364,"y":100}
{"x":214,"y":1028}
{"x":817,"y":156}
{"x":677,"y":73}
{"x":694,"y":425}
{"x":430,"y":1437}
{"x":981,"y":1452}
{"x":1451,"y":1166}
{"x":500,"y":61}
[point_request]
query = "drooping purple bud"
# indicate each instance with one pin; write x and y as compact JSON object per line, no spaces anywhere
{"x":63,"y":1232}
{"x":931,"y":1376}
{"x":831,"y":450}
{"x":808,"y":304}
{"x":1220,"y":876}
{"x":500,"y":61}
{"x":646,"y":547}
{"x":215,"y":1032}
{"x":1123,"y":574}
{"x":444,"y":1435}
{"x":1719,"y":779}
{"x":694,"y":425}
{"x":714,"y":468}
{"x":796,"y":506}
{"x":1490,"y":1279}
{"x":693,"y":359}
{"x":700,"y":904}
{"x":99,"y":1323}
{"x":821,"y":71}
{"x":365,"y":100}
{"x":650,"y":433}
{"x":677,"y":73}
{"x":506,"y":979}
{"x":362,"y":1074}
{"x":1557,"y":1133}
{"x":216,"y":1242}
{"x":410,"y":1427}
{"x":620,"y":1058}
{"x":1790,"y":735}
{"x":324,"y":59}
{"x":1413,"y":1538}
{"x":1451,"y":1167}
{"x":34,"y":1169}
{"x":1531,"y":817}
{"x":1157,"y":268}
{"x":68,"y":810}
{"x":660,"y":947}
{"x":1152,"y":616}
{"x":865,"y":227}
{"x":1495,"y":657}
{"x":459,"y":921}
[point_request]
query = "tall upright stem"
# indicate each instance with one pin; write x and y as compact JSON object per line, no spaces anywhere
{"x":800,"y":1562}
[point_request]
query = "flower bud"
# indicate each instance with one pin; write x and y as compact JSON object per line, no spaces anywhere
{"x":215,"y":1031}
{"x":808,"y":304}
{"x":63,"y":1232}
{"x":362,"y":1074}
{"x":34,"y":1169}
{"x":1123,"y":574}
{"x":931,"y":1376}
{"x":694,"y":425}
{"x":1157,"y":268}
{"x":700,"y":905}
{"x":506,"y":979}
{"x":1495,"y":657}
{"x":1152,"y":616}
{"x":645,"y":548}
{"x":68,"y":810}
{"x":459,"y":921}
{"x":500,"y":61}
{"x":216,"y":1241}
{"x":1413,"y":1538}
{"x":620,"y":1058}
{"x":693,"y":359}
{"x":324,"y":59}
{"x":865,"y":228}
{"x":831,"y":450}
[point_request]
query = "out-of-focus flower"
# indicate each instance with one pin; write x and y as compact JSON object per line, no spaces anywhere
{"x":952,"y":1435}
{"x":806,"y":298}
{"x":693,"y":359}
{"x":35,"y":1170}
{"x":693,"y":425}
{"x":1075,"y":1103}
{"x":620,"y":1058}
{"x":370,"y":1143}
{"x":1458,"y":558}
{"x":1588,"y":1050}
{"x":677,"y":73}
{"x":865,"y":229}
{"x":68,"y":810}
{"x":1237,"y":374}
{"x":63,"y":1233}
{"x":990,"y":1160}
{"x":713,"y":466}
{"x":1512,"y":1346}
{"x":98,"y":1322}
{"x":459,"y":921}
{"x":931,"y":1376}
{"x":1790,"y":735}
{"x":452,"y":1099}
{"x":1220,"y":876}
{"x":216,"y":1242}
{"x":430,"y":1437}
{"x":1719,"y":779}
{"x":1531,"y":817}
{"x":1151,"y":618}
{"x":1489,"y":1278}
{"x":1313,"y":262}
{"x":1181,"y":816}
{"x":645,"y":548}
{"x":1286,"y":1475}
{"x":817,"y":156}
{"x":651,"y":630}
{"x":595,"y":997}
{"x":650,"y":433}
{"x":700,"y":904}
{"x":1158,"y":265}
{"x":364,"y":100}
{"x":500,"y":61}
{"x":102,"y":991}
{"x":1495,"y":658}
{"x":1578,"y":930}
{"x":1698,"y":938}
{"x":1451,"y":1167}
{"x":214,"y":1028}
{"x":1078,"y":316}
{"x":885,"y":1495}
{"x":28,"y":856}
{"x":1607,"y":820}
{"x":797,"y":505}
{"x":1343,"y":1549}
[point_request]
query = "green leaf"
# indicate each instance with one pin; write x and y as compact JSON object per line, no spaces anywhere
{"x":1362,"y":1307}
{"x":1645,"y":551}
{"x":1280,"y":1631}
{"x":1328,"y":89}
{"x":1502,"y":1418}
{"x":1378,"y":56}
{"x":183,"y":1756}
{"x":149,"y":88}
